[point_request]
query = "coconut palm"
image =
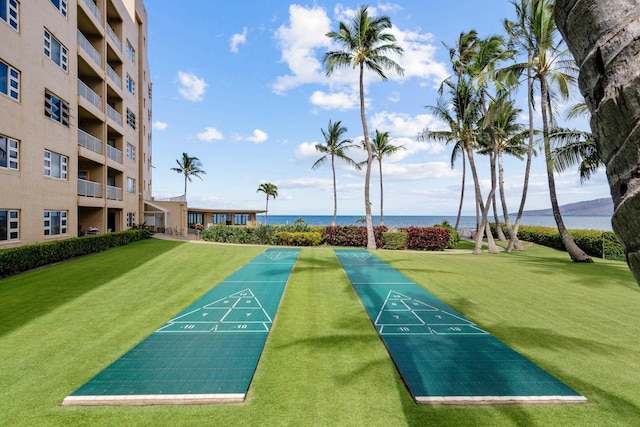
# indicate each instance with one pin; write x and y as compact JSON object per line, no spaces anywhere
{"x":382,"y":147}
{"x":365,"y":43}
{"x":335,"y":146}
{"x":189,"y":167}
{"x":270,"y":190}
{"x":575,"y":147}
{"x":553,"y":69}
{"x":599,"y":37}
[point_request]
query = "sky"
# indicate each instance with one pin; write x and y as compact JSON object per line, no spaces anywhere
{"x":241,"y":86}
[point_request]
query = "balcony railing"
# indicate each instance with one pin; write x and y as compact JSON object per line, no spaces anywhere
{"x":114,"y":115}
{"x":89,"y":49}
{"x":89,"y":188}
{"x":114,"y":193}
{"x":114,"y":37}
{"x":94,"y":9}
{"x":89,"y":141}
{"x":113,"y":75}
{"x":88,"y":94}
{"x":114,"y":154}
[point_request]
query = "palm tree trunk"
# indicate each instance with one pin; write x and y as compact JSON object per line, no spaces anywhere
{"x":499,"y":231}
{"x":371,"y":240}
{"x":576,"y":254}
{"x":464,"y":173}
{"x":477,"y":250}
{"x":266,"y":211}
{"x":335,"y":192}
{"x":381,"y":194}
{"x":503,"y":201}
{"x":185,"y":187}
{"x":602,"y":43}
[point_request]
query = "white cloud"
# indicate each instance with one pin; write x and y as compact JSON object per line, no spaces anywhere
{"x":258,"y":136}
{"x":401,"y":124}
{"x":238,"y":39}
{"x":341,"y":101}
{"x":209,"y":134}
{"x":158,"y":125}
{"x":298,"y":42}
{"x":324,"y":184}
{"x":191,"y":87}
{"x":307,"y":153}
{"x":418,"y":59}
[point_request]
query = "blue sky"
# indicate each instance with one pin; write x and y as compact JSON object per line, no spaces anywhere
{"x":240,"y":85}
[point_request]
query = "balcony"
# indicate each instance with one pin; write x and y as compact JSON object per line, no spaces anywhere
{"x":113,"y":75}
{"x":89,"y":49}
{"x":114,"y":38}
{"x":93,"y":9}
{"x":114,"y":193}
{"x":88,"y":94}
{"x":89,"y":142}
{"x":114,"y":154}
{"x":114,"y":115}
{"x":89,"y":188}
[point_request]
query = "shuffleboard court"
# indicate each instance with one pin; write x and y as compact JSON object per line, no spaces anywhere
{"x":442,"y":357}
{"x":208,"y":352}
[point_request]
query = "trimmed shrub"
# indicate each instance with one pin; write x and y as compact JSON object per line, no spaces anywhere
{"x":455,"y":237}
{"x":428,"y":238}
{"x":395,"y":240}
{"x":16,"y":260}
{"x":298,"y":238}
{"x":352,"y":235}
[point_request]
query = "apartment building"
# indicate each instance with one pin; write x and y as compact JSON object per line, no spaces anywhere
{"x":75,"y":118}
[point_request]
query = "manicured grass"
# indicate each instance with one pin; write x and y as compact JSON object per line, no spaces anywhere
{"x":323,"y":363}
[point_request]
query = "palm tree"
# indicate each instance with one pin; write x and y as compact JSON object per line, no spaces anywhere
{"x":551,"y":67}
{"x":381,"y":147}
{"x":270,"y":190}
{"x":189,"y":167}
{"x":366,"y":44}
{"x":609,"y":68}
{"x":575,"y":147}
{"x":335,"y":146}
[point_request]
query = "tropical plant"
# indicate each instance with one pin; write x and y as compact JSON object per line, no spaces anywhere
{"x":270,"y":190}
{"x":335,"y":145}
{"x":551,"y":66}
{"x":381,"y":147}
{"x":189,"y":167}
{"x":365,"y":44}
{"x":575,"y":147}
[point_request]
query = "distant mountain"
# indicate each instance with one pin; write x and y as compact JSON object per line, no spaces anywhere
{"x":597,"y":207}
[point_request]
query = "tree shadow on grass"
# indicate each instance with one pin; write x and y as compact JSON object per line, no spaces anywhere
{"x":29,"y":295}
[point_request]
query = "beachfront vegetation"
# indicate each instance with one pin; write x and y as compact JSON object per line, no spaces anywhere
{"x":323,"y":363}
{"x":366,"y":43}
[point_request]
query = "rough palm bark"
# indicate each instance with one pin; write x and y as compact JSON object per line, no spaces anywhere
{"x":603,"y":36}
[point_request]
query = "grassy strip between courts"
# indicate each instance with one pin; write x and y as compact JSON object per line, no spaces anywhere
{"x":323,"y":363}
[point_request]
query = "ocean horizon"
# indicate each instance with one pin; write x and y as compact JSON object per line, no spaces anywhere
{"x":602,"y":223}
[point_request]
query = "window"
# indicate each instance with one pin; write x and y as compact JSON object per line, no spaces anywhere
{"x":55,"y":51}
{"x":9,"y":80}
{"x":131,"y":118}
{"x":131,"y":84}
{"x":55,"y":222}
{"x":9,"y":224}
{"x":131,"y":152}
{"x":55,"y":165}
{"x":61,"y":5}
{"x":9,"y":12}
{"x":240,"y":219}
{"x":131,"y":185}
{"x":219,"y":218}
{"x":56,"y":108}
{"x":8,"y":153}
{"x":194,"y":218}
{"x":131,"y":52}
{"x":131,"y":219}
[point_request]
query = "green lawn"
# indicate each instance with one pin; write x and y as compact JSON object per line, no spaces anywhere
{"x":323,"y":363}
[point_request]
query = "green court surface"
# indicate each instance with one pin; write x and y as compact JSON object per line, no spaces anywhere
{"x":441,"y":356}
{"x":208,"y":352}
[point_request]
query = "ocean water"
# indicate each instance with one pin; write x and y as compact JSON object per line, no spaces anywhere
{"x":571,"y":222}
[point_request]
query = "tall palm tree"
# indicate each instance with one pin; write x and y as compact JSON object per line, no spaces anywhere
{"x":335,"y":146}
{"x":189,"y":167}
{"x":553,"y":69}
{"x":365,"y":44}
{"x":575,"y":147}
{"x":382,"y":147}
{"x":270,"y":190}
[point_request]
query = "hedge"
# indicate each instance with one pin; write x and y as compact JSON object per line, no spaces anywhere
{"x":352,"y":235}
{"x":395,"y":240}
{"x":298,"y":238}
{"x":23,"y":258}
{"x":428,"y":238}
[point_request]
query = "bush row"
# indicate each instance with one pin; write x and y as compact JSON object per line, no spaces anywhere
{"x":428,"y":238}
{"x":593,"y":242}
{"x":298,"y":238}
{"x":27,"y":257}
{"x":352,"y":235}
